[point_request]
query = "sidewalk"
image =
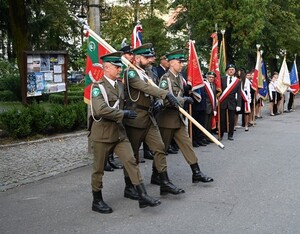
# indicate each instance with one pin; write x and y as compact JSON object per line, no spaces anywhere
{"x":26,"y":162}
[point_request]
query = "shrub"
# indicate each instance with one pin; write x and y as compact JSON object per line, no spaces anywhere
{"x":10,"y":80}
{"x":72,"y":93}
{"x":41,"y":118}
{"x":80,"y":109}
{"x":22,"y":121}
{"x":59,"y":99}
{"x":7,"y":95}
{"x":76,"y":87}
{"x":56,"y":98}
{"x":17,"y":122}
{"x":75,"y":99}
{"x":63,"y":118}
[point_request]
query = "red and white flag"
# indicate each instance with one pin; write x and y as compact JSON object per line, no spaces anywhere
{"x":294,"y":78}
{"x":256,"y":71}
{"x":194,"y":74}
{"x":214,"y":61}
{"x":136,"y":37}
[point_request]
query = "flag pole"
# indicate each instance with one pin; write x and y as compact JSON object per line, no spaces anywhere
{"x":128,"y":63}
{"x":219,"y":108}
{"x":282,"y":95}
{"x":190,"y":106}
{"x":295,"y":55}
{"x":256,"y":92}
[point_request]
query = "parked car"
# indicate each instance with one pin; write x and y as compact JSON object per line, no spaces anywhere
{"x":75,"y":77}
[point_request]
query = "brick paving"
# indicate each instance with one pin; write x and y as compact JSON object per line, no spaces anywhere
{"x":27,"y":162}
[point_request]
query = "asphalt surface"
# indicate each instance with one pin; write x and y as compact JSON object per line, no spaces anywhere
{"x":256,"y":188}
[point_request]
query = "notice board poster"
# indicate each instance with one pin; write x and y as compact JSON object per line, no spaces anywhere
{"x":46,"y":72}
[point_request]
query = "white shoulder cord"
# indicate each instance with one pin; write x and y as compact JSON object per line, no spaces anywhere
{"x":103,"y":91}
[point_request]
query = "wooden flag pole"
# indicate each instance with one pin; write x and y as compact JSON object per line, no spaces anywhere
{"x":201,"y":128}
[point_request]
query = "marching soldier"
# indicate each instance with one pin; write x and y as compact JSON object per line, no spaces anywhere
{"x":141,"y":99}
{"x":171,"y":123}
{"x":109,"y":135}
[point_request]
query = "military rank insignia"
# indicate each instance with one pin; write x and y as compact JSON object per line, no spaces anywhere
{"x":163,"y":84}
{"x":131,"y":74}
{"x":96,"y":92}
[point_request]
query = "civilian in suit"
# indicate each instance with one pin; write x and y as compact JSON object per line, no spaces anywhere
{"x":230,"y":100}
{"x":211,"y":93}
{"x":163,"y":66}
{"x":198,"y":113}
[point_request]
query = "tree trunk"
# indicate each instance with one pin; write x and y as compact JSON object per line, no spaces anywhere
{"x":19,"y":30}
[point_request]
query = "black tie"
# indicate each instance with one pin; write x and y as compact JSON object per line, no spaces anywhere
{"x":230,"y":79}
{"x":116,"y":87}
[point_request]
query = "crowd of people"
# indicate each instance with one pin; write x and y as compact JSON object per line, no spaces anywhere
{"x":139,"y":106}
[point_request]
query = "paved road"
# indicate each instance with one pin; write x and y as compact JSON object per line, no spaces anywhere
{"x":256,"y":190}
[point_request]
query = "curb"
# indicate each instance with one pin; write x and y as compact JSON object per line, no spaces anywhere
{"x":62,"y":136}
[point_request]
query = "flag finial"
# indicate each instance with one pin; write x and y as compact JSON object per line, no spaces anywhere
{"x":223,"y":31}
{"x":261,"y":52}
{"x":257,"y":46}
{"x":123,"y":44}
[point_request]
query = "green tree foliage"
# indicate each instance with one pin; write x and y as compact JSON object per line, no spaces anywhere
{"x":121,"y":24}
{"x":40,"y":25}
{"x":273,"y":24}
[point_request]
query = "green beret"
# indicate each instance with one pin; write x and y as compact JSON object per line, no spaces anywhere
{"x":229,"y":66}
{"x":211,"y":73}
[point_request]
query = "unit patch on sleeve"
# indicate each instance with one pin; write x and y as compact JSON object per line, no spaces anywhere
{"x":131,"y":74}
{"x":96,"y":92}
{"x":163,"y":84}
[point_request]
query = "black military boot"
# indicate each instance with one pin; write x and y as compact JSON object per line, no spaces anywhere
{"x":198,"y":175}
{"x":130,"y":191}
{"x":155,"y":177}
{"x":108,"y":167}
{"x":113,"y":163}
{"x":99,"y":205}
{"x":166,"y":186}
{"x":147,"y":152}
{"x":145,"y":200}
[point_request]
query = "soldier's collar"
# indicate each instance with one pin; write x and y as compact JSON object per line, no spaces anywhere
{"x":174,"y":74}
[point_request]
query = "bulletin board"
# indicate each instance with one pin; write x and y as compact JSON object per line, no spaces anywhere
{"x":45,"y":72}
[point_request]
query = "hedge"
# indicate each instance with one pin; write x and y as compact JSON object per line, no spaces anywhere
{"x":35,"y":119}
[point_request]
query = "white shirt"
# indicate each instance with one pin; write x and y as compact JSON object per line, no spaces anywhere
{"x":228,"y":80}
{"x":112,"y":82}
{"x":272,"y":88}
{"x":247,"y":87}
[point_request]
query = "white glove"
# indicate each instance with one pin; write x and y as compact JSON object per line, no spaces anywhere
{"x":215,"y":113}
{"x":238,"y":108}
